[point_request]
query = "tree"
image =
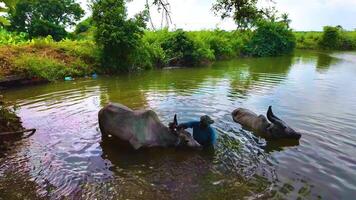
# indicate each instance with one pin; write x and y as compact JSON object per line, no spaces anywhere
{"x":9,"y":4}
{"x":45,"y":17}
{"x":117,"y":35}
{"x":245,"y":13}
{"x":285,"y":19}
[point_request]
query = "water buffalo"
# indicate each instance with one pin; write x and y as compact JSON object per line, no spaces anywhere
{"x":141,"y":128}
{"x":275,"y":129}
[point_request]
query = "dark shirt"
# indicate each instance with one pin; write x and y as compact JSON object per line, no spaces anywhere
{"x":205,"y":136}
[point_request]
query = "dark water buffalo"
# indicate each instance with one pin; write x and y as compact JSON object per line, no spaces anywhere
{"x":275,"y":128}
{"x":141,"y":128}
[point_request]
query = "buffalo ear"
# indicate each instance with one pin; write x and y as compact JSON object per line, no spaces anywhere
{"x":274,"y":119}
{"x":175,"y":121}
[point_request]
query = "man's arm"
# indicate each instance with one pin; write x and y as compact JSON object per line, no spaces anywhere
{"x":185,"y":125}
{"x":212,"y":136}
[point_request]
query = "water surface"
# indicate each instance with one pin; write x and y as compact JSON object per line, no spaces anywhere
{"x":314,"y":92}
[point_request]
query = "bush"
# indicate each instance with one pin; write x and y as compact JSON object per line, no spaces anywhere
{"x":335,"y":38}
{"x":330,"y":38}
{"x":12,"y":38}
{"x":49,"y":68}
{"x":271,"y":39}
{"x":179,"y":48}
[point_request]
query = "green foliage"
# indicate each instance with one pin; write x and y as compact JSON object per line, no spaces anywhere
{"x":271,"y":39}
{"x":40,"y":18}
{"x":9,"y":4}
{"x":245,"y":13}
{"x":117,"y":36}
{"x":330,"y":38}
{"x":307,"y":40}
{"x":49,"y":68}
{"x":335,"y":38}
{"x":84,"y":26}
{"x":318,"y":40}
{"x":12,"y":38}
{"x":86,"y":50}
{"x":188,"y":48}
{"x":44,"y":28}
{"x":180,"y":49}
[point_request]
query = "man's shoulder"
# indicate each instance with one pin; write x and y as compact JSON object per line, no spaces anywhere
{"x":194,"y":123}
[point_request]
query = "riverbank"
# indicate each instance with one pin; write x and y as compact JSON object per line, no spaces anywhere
{"x":46,"y":60}
{"x":24,"y":61}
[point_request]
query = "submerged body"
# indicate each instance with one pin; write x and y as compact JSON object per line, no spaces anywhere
{"x":275,"y":129}
{"x":140,"y":128}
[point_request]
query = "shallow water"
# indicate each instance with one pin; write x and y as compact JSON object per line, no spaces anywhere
{"x":314,"y":92}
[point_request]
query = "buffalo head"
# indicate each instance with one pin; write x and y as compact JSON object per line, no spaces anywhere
{"x":279,"y":129}
{"x":185,"y":139}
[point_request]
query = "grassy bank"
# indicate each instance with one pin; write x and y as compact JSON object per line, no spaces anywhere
{"x":80,"y":56}
{"x":341,"y":40}
{"x":50,"y":60}
{"x":45,"y":58}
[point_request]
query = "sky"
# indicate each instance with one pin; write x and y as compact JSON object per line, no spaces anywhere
{"x":306,"y":15}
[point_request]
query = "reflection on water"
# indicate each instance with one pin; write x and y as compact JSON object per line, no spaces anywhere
{"x":313,"y":92}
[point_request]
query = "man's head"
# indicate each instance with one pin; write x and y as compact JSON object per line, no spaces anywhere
{"x":205,"y":121}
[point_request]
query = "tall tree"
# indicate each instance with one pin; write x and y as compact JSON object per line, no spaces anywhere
{"x":285,"y":19}
{"x":244,"y":12}
{"x":117,"y":35}
{"x":45,"y":17}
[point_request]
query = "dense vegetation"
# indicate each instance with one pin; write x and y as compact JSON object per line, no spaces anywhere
{"x":332,"y":38}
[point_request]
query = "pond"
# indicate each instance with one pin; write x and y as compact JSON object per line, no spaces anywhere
{"x":315,"y":92}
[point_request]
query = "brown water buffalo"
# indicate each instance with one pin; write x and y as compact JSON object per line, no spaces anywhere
{"x":141,"y":128}
{"x":275,"y":128}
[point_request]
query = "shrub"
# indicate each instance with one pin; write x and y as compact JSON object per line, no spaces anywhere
{"x":182,"y":50}
{"x":12,"y":38}
{"x":330,"y":38}
{"x":271,"y":39}
{"x":49,"y":68}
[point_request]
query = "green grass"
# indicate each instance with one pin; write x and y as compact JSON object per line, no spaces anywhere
{"x":312,"y":39}
{"x":49,"y":68}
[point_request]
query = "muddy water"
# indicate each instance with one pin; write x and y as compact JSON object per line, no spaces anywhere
{"x":314,"y":92}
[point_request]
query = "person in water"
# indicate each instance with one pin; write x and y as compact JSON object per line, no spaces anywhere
{"x":203,"y":133}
